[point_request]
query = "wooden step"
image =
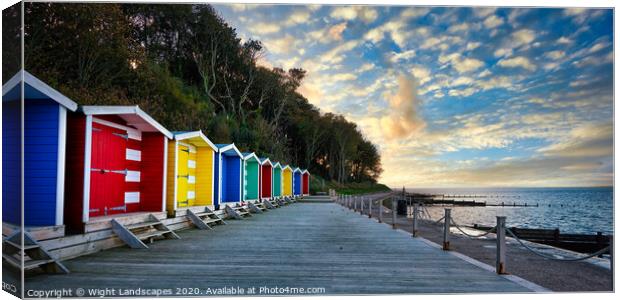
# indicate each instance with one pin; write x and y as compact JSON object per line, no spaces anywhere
{"x":211,"y":220}
{"x":142,"y":224}
{"x":204,"y":213}
{"x":18,"y":246}
{"x":34,"y":254}
{"x":150,"y":234}
{"x":29,"y":264}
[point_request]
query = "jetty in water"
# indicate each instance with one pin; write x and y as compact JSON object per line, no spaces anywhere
{"x":314,"y":244}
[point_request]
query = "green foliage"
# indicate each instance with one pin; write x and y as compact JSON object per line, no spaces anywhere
{"x":318,"y":184}
{"x":187,"y":67}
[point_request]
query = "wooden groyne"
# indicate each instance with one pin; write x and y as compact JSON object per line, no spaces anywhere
{"x":583,"y":243}
{"x":445,"y":199}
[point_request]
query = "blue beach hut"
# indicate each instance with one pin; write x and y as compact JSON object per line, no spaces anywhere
{"x":297,"y":184}
{"x":228,"y":165}
{"x":45,"y":134}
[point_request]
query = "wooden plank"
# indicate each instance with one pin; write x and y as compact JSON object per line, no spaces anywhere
{"x":127,"y":236}
{"x":268,"y":204}
{"x":232,"y":213}
{"x":197,"y":221}
{"x":338,"y":251}
{"x":254,"y":209}
{"x":105,"y":223}
{"x":38,"y":233}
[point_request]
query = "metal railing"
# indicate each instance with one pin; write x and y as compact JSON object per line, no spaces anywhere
{"x":358,"y":203}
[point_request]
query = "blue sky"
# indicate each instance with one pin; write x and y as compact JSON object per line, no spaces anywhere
{"x":456,"y":96}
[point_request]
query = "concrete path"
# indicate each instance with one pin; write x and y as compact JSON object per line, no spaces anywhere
{"x":303,"y":245}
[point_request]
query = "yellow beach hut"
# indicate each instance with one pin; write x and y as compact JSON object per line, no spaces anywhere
{"x":287,"y":181}
{"x":190,"y":177}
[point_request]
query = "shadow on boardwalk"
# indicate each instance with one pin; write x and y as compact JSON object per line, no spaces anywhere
{"x":305,"y":245}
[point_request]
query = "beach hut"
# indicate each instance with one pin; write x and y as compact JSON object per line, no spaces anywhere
{"x":251,"y":177}
{"x":44,"y":151}
{"x":305,"y":182}
{"x":229,"y":181}
{"x":191,"y":171}
{"x":277,"y":180}
{"x":116,"y":163}
{"x":297,"y":184}
{"x":266,"y":178}
{"x":287,"y":181}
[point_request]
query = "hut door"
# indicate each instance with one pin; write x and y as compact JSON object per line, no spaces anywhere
{"x":108,"y":170}
{"x":182,"y":176}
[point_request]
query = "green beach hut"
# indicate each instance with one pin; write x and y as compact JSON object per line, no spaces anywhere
{"x":277,"y":180}
{"x":251,"y":176}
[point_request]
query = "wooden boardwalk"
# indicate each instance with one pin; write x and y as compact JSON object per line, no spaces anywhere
{"x":304,"y":245}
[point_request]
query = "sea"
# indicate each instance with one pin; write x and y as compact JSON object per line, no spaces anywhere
{"x":572,"y":210}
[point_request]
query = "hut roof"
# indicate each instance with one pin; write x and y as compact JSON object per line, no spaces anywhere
{"x":133,"y":115}
{"x":229,"y":150}
{"x":34,"y":88}
{"x":195,"y":137}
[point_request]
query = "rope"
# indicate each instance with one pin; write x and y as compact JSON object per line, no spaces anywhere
{"x":544,"y":255}
{"x":471,"y":235}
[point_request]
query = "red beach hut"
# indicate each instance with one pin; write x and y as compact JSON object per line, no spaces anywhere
{"x":265,"y":178}
{"x":116,"y":163}
{"x":305,"y":182}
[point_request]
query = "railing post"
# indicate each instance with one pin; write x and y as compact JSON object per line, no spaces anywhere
{"x":500,"y":232}
{"x":446,"y":229}
{"x":361,"y":205}
{"x":393,"y":213}
{"x":611,"y":254}
{"x":414,"y":230}
{"x":381,"y":210}
{"x":354,"y":203}
{"x":369,"y":207}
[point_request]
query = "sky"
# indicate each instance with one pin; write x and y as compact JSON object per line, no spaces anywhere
{"x":456,"y":97}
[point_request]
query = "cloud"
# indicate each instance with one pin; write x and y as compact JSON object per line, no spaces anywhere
{"x":342,"y":77}
{"x":556,"y":54}
{"x":472,"y":45}
{"x":458,"y":28}
{"x":348,"y":13}
{"x":414,"y":12}
{"x":422,"y":74}
{"x":395,"y":57}
{"x":282,"y":45}
{"x":265,"y":28}
{"x":365,"y":67}
{"x":564,"y":40}
{"x":502,"y":52}
{"x":395,"y":29}
{"x":493,"y":21}
{"x":430,"y":43}
{"x":328,"y":34}
{"x":461,"y":64}
{"x":335,"y":55}
{"x":598,"y":46}
{"x":403,"y":120}
{"x":588,"y":140}
{"x":483,"y":12}
{"x":522,"y":37}
{"x":298,"y":17}
{"x":515,"y":62}
{"x":335,"y":32}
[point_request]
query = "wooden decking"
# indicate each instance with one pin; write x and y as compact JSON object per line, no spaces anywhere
{"x":320,"y":245}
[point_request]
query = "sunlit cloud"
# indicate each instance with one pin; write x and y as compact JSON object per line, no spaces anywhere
{"x":480,"y":96}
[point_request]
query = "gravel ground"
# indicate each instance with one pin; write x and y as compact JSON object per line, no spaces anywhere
{"x":557,"y":276}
